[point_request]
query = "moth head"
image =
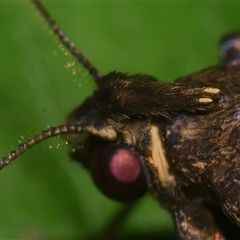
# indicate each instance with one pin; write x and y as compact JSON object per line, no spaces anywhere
{"x":99,"y":144}
{"x":116,"y":167}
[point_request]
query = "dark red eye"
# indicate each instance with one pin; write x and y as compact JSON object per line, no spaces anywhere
{"x":118,"y":173}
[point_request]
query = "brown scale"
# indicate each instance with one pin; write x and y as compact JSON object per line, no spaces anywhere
{"x":183,"y":139}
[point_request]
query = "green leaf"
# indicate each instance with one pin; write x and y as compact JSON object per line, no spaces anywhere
{"x":43,"y":194}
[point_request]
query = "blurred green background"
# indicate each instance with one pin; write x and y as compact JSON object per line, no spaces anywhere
{"x":44,"y":195}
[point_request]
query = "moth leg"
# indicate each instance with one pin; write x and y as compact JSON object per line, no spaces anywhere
{"x":113,"y":226}
{"x":223,"y":177}
{"x":198,"y":220}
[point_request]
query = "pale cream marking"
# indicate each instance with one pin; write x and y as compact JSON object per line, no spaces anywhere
{"x":211,"y":90}
{"x":200,"y":165}
{"x":158,"y":158}
{"x":205,"y":100}
{"x":129,"y":138}
{"x":236,"y":181}
{"x":107,"y":132}
{"x":184,"y":170}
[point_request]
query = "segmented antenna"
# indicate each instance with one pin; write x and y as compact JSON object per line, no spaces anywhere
{"x":67,"y":43}
{"x":51,"y":132}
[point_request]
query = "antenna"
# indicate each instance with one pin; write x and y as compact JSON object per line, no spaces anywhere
{"x":51,"y":132}
{"x":66,"y":42}
{"x":62,"y":129}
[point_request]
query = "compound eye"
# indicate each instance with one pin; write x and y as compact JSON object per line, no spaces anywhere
{"x":118,"y":173}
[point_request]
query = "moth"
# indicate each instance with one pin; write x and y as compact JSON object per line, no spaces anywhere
{"x":202,"y":107}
